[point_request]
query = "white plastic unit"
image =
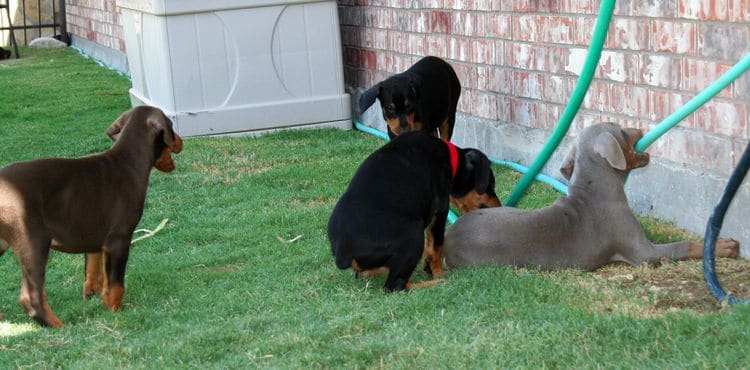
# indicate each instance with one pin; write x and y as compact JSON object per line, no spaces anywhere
{"x":237,"y":66}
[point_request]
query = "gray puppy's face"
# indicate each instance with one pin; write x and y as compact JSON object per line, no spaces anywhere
{"x":610,"y":142}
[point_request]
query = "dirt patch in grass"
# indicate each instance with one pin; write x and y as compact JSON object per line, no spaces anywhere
{"x":678,"y":285}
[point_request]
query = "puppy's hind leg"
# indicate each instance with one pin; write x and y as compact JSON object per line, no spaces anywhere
{"x":402,"y":265}
{"x":33,"y":297}
{"x":682,"y":250}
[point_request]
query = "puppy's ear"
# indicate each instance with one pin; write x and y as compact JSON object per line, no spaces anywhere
{"x":479,"y":164}
{"x":116,"y":127}
{"x":367,"y":99}
{"x":569,"y":162}
{"x":608,"y":147}
{"x":161,"y":123}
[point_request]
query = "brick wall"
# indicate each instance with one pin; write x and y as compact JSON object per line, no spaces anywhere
{"x":518,"y":62}
{"x":97,"y":21}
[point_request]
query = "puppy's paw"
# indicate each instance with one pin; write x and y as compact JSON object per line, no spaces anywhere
{"x":727,"y":248}
{"x":112,"y":297}
{"x":91,"y":288}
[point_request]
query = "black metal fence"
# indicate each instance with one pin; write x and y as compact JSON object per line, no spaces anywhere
{"x":34,"y":18}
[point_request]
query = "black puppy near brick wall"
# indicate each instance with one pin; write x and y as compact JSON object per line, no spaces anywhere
{"x":424,"y":97}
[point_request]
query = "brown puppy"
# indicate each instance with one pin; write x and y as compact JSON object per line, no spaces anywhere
{"x":85,"y":205}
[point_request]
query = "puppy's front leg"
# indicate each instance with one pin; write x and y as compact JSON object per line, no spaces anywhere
{"x":93,"y":277}
{"x":115,"y":259}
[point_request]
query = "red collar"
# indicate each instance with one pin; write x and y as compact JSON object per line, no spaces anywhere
{"x":453,"y":152}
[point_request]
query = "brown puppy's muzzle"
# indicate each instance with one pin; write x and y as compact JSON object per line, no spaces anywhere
{"x":165,"y":163}
{"x":634,"y":159}
{"x":473,"y":200}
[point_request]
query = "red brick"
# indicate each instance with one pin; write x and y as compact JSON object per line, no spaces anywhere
{"x":707,"y":10}
{"x":667,"y":102}
{"x":465,"y":24}
{"x":495,"y":79}
{"x":464,"y":102}
{"x":539,"y":6}
{"x":557,"y":29}
{"x":374,"y":38}
{"x":674,"y":37}
{"x":398,"y":41}
{"x":629,"y":34}
{"x":417,"y":44}
{"x":738,"y":11}
{"x":583,"y":31}
{"x":528,"y":85}
{"x":500,"y":53}
{"x":503,"y":108}
{"x":467,"y":74}
{"x":741,"y":87}
{"x":660,"y":71}
{"x":440,"y":22}
{"x":547,"y":116}
{"x":656,"y":9}
{"x":619,"y":67}
{"x":468,"y":4}
{"x":498,"y":25}
{"x":437,"y":45}
{"x":542,"y":28}
{"x":629,"y":100}
{"x":557,"y":89}
{"x":427,"y":4}
{"x":527,"y":27}
{"x":525,"y":56}
{"x":483,"y":105}
{"x":598,"y":97}
{"x":524,"y":112}
{"x":723,"y":118}
{"x":578,"y":7}
{"x":699,"y":74}
{"x":420,"y":22}
{"x":471,"y":50}
{"x":369,"y":59}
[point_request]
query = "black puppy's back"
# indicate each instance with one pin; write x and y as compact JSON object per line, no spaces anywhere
{"x":381,"y":217}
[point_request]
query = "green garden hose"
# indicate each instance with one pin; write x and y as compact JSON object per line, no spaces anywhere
{"x":673,"y":119}
{"x":587,"y":74}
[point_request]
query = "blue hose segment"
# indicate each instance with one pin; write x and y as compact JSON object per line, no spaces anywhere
{"x":359,"y":126}
{"x":549,"y":180}
{"x":714,"y":226}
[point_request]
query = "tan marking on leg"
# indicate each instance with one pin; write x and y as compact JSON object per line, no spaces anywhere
{"x":94,"y":278}
{"x":423,"y":284}
{"x":112,"y":297}
{"x":362,"y":273}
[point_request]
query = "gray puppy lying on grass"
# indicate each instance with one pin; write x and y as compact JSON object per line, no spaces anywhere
{"x":591,"y":227}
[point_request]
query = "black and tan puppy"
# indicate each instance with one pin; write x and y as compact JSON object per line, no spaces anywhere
{"x":424,"y":97}
{"x":398,"y":192}
{"x":85,"y":205}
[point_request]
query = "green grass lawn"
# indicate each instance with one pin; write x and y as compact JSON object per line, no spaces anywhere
{"x":242,"y":274}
